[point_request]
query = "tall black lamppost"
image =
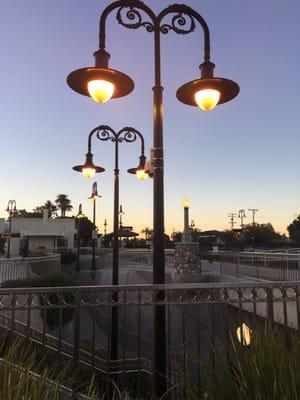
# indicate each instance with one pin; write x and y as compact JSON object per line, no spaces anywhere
{"x":79,"y":216}
{"x":102,"y":83}
{"x":11,"y":209}
{"x":126,"y":135}
{"x":94,"y":197}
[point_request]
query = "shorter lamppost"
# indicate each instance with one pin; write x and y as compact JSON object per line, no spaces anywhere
{"x":94,"y":197}
{"x":187,"y":258}
{"x":11,"y":209}
{"x":126,"y":135}
{"x":104,"y":240}
{"x":79,"y":217}
{"x":121,"y":213}
{"x":186,"y":235}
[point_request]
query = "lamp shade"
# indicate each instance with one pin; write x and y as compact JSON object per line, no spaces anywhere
{"x":226,"y":88}
{"x":79,"y":80}
{"x":100,"y":82}
{"x":140,"y":171}
{"x":88,"y":169}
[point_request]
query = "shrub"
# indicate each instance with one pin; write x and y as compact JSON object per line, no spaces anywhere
{"x":55,"y":279}
{"x":267,"y":369}
{"x":68,"y":257}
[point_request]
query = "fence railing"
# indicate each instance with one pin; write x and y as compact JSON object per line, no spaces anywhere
{"x":75,"y":322}
{"x":20,"y":268}
{"x":268,"y":266}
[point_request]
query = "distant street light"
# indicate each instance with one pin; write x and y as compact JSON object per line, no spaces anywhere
{"x":105,"y":227}
{"x":94,"y":197}
{"x":121,"y":213}
{"x":107,"y":134}
{"x":242,"y":215}
{"x":186,"y":236}
{"x":11,"y":209}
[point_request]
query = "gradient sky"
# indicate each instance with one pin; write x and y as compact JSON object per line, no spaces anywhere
{"x":244,"y":154}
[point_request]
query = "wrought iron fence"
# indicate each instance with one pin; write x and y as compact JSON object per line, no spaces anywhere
{"x":75,"y":322}
{"x":21,"y":268}
{"x":257,"y":265}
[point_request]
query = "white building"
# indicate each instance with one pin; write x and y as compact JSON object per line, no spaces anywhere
{"x":35,"y":234}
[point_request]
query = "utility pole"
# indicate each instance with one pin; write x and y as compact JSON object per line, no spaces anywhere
{"x":242,"y":215}
{"x":254,"y":211}
{"x":231,"y":219}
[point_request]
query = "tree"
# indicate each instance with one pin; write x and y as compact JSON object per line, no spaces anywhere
{"x":85,"y":228}
{"x":38,"y":210}
{"x":148,"y":233}
{"x":63,"y":204}
{"x":260,"y":235}
{"x":176,"y":236}
{"x":26,"y":214}
{"x":51,"y":207}
{"x":294,"y":230}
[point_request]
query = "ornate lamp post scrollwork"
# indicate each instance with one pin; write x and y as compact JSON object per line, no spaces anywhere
{"x":102,"y":83}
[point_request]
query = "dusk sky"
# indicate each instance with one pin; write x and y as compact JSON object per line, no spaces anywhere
{"x":243,"y":154}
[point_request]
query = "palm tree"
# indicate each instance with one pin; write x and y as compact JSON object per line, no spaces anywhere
{"x":148,"y":233}
{"x":63,"y":203}
{"x":51,"y":207}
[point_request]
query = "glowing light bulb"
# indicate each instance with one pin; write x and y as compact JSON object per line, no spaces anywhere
{"x":243,"y":333}
{"x":141,"y":174}
{"x":186,"y":202}
{"x":88,"y":172}
{"x":101,"y":91}
{"x":207,"y":99}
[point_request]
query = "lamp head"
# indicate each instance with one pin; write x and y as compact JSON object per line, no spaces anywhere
{"x":80,"y":213}
{"x":95,"y":196}
{"x":186,"y":202}
{"x":208,"y":91}
{"x":140,"y":170}
{"x":88,"y":169}
{"x":100,"y":82}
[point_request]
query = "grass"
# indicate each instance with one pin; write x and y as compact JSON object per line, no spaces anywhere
{"x":25,"y":375}
{"x":268,"y":369}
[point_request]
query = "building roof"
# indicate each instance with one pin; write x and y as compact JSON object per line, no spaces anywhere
{"x":44,"y":231}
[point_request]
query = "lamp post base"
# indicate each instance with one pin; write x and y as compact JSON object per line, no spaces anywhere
{"x":187,"y":259}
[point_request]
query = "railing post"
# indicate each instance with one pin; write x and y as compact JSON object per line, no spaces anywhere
{"x":270,"y":304}
{"x":76,"y":327}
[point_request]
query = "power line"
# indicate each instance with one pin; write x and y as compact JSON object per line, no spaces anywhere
{"x":254,"y":211}
{"x":232,"y":216}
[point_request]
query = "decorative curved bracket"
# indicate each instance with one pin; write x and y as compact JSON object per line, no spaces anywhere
{"x":182,"y":22}
{"x":132,"y":19}
{"x":106,"y":133}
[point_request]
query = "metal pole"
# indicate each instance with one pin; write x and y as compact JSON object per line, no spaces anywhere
{"x":78,"y":246}
{"x":115,"y":272}
{"x":94,"y":233}
{"x":160,"y":338}
{"x":9,"y":231}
